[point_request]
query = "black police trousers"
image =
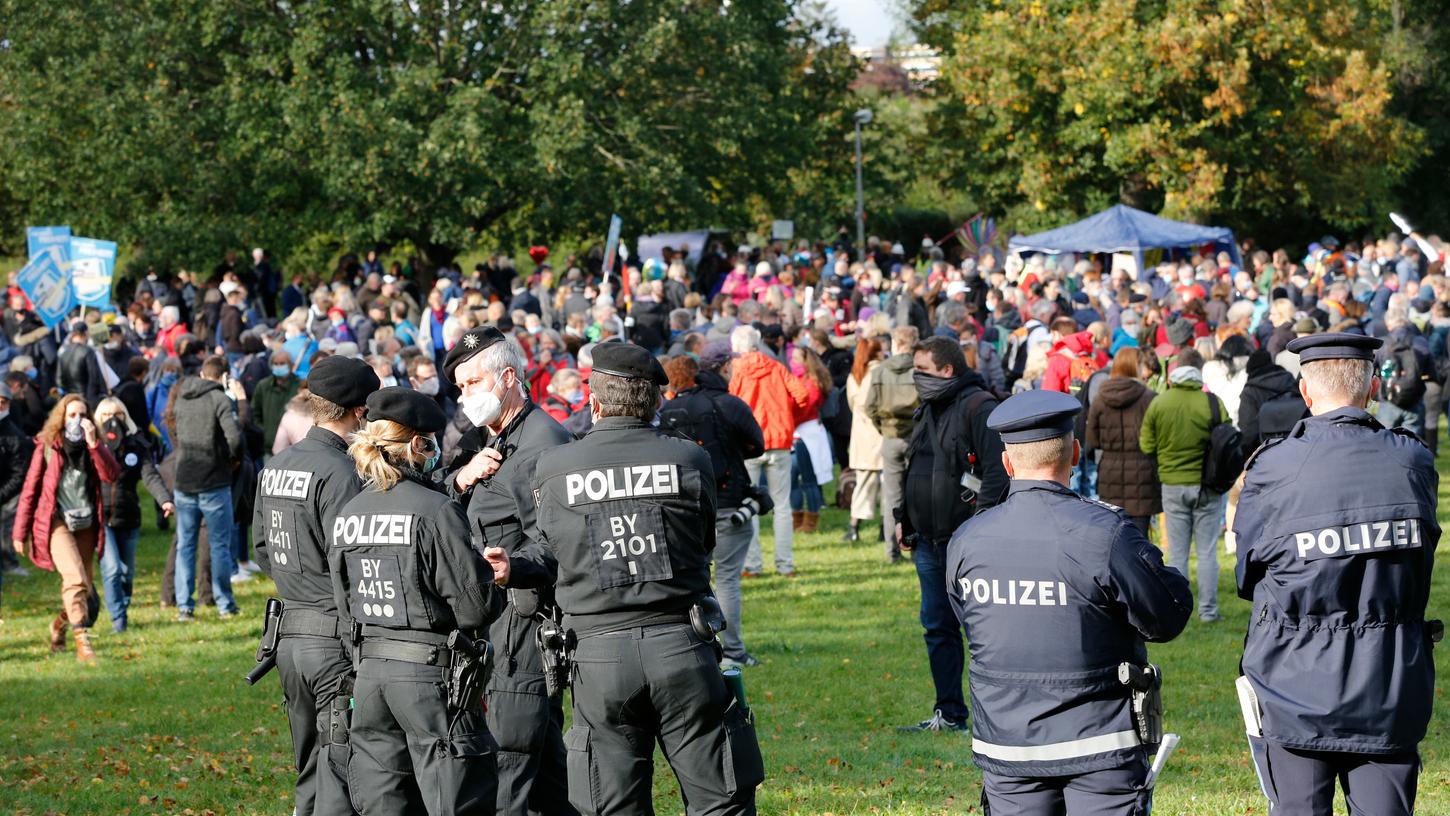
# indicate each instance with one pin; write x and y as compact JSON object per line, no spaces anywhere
{"x":1301,"y":783}
{"x":1111,"y":792}
{"x":411,"y":752}
{"x":313,"y":671}
{"x":528,"y":726}
{"x":657,"y":683}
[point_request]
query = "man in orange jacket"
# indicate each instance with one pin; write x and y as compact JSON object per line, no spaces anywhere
{"x":776,"y":399}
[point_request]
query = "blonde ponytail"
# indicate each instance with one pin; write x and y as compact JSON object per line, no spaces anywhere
{"x":378,"y":448}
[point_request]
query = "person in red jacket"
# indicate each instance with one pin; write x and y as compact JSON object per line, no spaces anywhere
{"x":1081,"y":352}
{"x":777,"y":400}
{"x":60,"y":514}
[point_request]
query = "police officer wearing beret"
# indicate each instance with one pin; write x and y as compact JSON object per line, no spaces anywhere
{"x":1058,"y":594}
{"x":418,"y":600}
{"x":629,"y":512}
{"x":1338,"y":672}
{"x":493,"y":476}
{"x":299,"y":494}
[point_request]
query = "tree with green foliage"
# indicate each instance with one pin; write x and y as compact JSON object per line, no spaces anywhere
{"x":1224,"y":110}
{"x":186,"y":126}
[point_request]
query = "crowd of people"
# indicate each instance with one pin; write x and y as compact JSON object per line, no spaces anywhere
{"x":928,"y":388}
{"x":197,"y":379}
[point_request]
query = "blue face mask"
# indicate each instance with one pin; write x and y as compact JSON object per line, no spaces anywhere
{"x":32,"y":373}
{"x":280,"y":371}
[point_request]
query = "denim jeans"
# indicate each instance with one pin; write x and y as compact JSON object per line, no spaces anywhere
{"x":216,"y":507}
{"x":775,"y":466}
{"x":1192,"y":513}
{"x":805,"y":491}
{"x":118,"y":571}
{"x":1393,"y":416}
{"x":1085,"y":478}
{"x":943,"y":631}
{"x":731,"y":543}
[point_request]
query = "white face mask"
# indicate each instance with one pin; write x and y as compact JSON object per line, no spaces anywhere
{"x":389,"y":382}
{"x":3,"y":414}
{"x":482,"y":409}
{"x":428,"y":387}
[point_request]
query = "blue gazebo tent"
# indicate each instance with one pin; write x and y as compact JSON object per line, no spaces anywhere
{"x":1124,"y":229}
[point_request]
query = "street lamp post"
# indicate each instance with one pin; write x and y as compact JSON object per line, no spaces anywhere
{"x":862,"y":117}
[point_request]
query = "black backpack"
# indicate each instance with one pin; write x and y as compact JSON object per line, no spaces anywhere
{"x":1401,"y":383}
{"x":1224,"y":460}
{"x":704,"y":430}
{"x":835,"y":413}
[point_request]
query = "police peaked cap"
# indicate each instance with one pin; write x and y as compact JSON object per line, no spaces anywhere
{"x":407,"y":408}
{"x":1334,"y":346}
{"x":1033,"y":416}
{"x":472,"y":342}
{"x":630,"y":361}
{"x":344,"y":381}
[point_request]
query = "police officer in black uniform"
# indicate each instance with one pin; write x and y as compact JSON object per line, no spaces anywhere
{"x":629,"y":513}
{"x":493,"y":476}
{"x":1057,"y":594}
{"x":299,"y":494}
{"x":1338,"y":673}
{"x":418,"y":600}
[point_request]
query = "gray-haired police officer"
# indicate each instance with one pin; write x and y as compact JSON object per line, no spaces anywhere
{"x":1057,"y":594}
{"x":417,"y":597}
{"x":299,"y":494}
{"x":630,"y":514}
{"x":493,"y":476}
{"x":1338,"y":673}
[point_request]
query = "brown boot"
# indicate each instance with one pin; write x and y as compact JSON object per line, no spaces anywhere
{"x":810,"y":522}
{"x":84,"y":652}
{"x":57,"y":634}
{"x":796,"y":519}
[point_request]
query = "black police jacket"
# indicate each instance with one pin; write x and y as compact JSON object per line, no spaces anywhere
{"x":1336,"y":539}
{"x":1055,"y":591}
{"x":400,"y":560}
{"x":725,"y":427}
{"x":299,"y":494}
{"x":79,"y":373}
{"x":946,"y":439}
{"x":630,"y":514}
{"x":501,"y":513}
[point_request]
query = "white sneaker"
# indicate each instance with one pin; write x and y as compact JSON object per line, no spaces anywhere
{"x":240,"y":576}
{"x":250,"y":566}
{"x":18,"y":571}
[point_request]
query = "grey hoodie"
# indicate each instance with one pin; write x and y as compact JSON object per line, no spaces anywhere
{"x":208,"y":436}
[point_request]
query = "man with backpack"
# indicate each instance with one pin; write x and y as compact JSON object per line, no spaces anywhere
{"x":704,"y":411}
{"x":1404,"y":362}
{"x":1178,"y":431}
{"x":891,"y":402}
{"x":954,"y":470}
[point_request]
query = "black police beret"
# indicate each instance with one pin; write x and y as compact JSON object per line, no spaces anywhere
{"x":1033,"y":416}
{"x":628,"y":360}
{"x":1334,"y":346}
{"x":407,"y":408}
{"x":472,"y":342}
{"x":345,"y":381}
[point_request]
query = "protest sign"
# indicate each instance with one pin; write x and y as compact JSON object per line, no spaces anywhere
{"x":93,"y":263}
{"x":39,"y":239}
{"x":47,"y":282}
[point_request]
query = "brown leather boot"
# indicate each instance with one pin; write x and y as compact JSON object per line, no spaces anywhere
{"x":796,"y":519}
{"x":810,"y":522}
{"x":84,"y":652}
{"x":57,"y":634}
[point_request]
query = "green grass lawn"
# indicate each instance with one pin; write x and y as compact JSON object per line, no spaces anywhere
{"x":164,"y":724}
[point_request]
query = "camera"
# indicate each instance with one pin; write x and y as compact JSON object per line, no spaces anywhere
{"x":756,"y":502}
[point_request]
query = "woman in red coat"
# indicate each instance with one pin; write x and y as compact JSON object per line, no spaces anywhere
{"x":60,"y":513}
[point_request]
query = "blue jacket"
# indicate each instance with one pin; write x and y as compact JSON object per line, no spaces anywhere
{"x":1336,"y":539}
{"x":1054,"y":592}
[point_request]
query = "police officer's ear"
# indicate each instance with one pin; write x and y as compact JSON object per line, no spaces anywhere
{"x":1076,"y":452}
{"x":1007,"y":465}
